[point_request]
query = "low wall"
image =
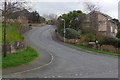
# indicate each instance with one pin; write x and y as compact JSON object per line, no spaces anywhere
{"x":110,"y":48}
{"x":14,"y":47}
{"x":23,"y":29}
{"x":37,"y":24}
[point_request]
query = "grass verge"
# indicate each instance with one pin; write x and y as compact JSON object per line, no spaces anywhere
{"x":19,"y":58}
{"x":0,"y":33}
{"x":95,"y":50}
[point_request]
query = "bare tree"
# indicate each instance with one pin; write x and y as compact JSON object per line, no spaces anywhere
{"x":91,"y":6}
{"x":5,"y":9}
{"x":92,"y":9}
{"x":8,"y":9}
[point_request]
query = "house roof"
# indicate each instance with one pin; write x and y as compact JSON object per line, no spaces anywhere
{"x":100,"y":13}
{"x":109,"y":17}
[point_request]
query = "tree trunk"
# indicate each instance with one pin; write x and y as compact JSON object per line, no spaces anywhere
{"x":5,"y":29}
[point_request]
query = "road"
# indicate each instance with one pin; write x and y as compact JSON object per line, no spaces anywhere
{"x":68,"y":62}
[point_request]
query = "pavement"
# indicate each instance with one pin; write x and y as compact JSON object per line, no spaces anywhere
{"x":67,"y":62}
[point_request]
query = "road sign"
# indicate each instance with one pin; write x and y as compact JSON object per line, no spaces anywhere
{"x":64,"y":30}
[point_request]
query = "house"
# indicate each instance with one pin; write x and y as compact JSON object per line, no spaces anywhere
{"x":22,"y":18}
{"x":100,"y":23}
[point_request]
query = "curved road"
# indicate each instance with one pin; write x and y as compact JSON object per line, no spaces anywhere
{"x":68,"y":62}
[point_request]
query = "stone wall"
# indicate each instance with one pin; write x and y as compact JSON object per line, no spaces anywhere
{"x":14,"y":47}
{"x":110,"y":48}
{"x":23,"y":29}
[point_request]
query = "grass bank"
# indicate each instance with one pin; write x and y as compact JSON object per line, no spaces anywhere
{"x":0,"y":33}
{"x":19,"y":58}
{"x":95,"y":50}
{"x":11,"y":33}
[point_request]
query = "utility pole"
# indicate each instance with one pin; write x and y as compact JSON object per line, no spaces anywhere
{"x":5,"y":4}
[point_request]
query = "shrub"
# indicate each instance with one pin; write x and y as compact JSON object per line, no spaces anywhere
{"x":112,"y":41}
{"x":70,"y":33}
{"x":88,"y":37}
{"x":118,"y":34}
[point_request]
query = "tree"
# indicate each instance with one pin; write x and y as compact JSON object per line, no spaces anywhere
{"x":118,"y":34}
{"x":93,"y":10}
{"x":5,"y":4}
{"x":42,"y":19}
{"x":91,"y":6}
{"x":117,"y":22}
{"x":34,"y":17}
{"x":73,"y":19}
{"x":9,"y":9}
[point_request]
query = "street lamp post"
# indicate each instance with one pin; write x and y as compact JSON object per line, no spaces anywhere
{"x":64,"y":31}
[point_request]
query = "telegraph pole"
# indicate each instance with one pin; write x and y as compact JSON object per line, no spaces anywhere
{"x":5,"y":4}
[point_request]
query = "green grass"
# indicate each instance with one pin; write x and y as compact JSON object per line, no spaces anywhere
{"x":95,"y":50}
{"x":12,"y":34}
{"x":0,"y":33}
{"x":19,"y":58}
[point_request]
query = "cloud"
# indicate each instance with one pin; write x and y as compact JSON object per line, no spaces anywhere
{"x":109,"y":7}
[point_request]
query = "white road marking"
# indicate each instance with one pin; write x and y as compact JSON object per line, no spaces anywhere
{"x":76,"y":74}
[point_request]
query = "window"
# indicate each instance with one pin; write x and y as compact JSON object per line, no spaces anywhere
{"x":111,"y":29}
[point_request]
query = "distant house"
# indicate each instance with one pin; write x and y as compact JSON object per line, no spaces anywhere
{"x":100,"y":23}
{"x":22,"y":18}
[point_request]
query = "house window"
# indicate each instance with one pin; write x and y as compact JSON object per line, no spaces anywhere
{"x":101,"y":22}
{"x":111,"y":29}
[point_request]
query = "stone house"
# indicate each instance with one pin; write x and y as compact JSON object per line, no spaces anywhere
{"x":99,"y":23}
{"x":22,"y":18}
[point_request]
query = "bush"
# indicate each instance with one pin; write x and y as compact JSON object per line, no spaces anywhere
{"x":70,"y":33}
{"x":112,"y":41}
{"x":88,"y":37}
{"x":118,"y":34}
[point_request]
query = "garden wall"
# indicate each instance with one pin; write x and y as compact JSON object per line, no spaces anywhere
{"x":110,"y":48}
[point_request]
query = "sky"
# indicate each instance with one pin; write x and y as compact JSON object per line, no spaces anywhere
{"x":46,"y":7}
{"x":59,"y":7}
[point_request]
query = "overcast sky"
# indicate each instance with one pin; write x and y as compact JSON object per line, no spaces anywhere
{"x":58,"y":7}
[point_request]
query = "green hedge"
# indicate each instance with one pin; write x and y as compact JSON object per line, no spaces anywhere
{"x":112,"y":41}
{"x":70,"y":33}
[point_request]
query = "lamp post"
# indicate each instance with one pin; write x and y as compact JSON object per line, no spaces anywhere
{"x":64,"y":31}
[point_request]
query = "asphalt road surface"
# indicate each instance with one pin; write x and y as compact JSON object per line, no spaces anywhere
{"x":68,"y":62}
